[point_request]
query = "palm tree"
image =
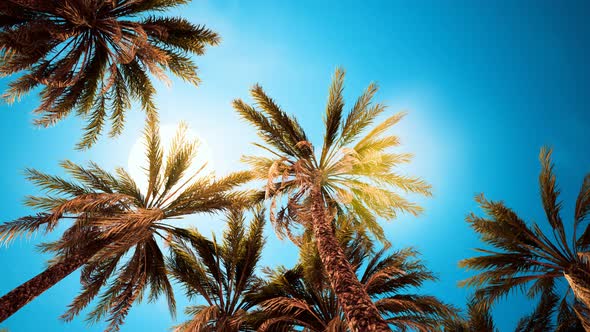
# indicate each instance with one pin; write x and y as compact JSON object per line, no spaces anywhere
{"x":116,"y":226}
{"x":357,"y":179}
{"x":525,"y":255}
{"x":300,"y":299}
{"x":92,"y":56}
{"x":221,"y":273}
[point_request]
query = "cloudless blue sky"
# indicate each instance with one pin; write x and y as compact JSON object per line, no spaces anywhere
{"x":486,"y":85}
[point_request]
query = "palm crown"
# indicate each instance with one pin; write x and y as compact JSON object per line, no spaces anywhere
{"x":117,"y":226}
{"x":352,"y":170}
{"x":221,"y":273}
{"x":92,"y":56}
{"x":525,"y":256}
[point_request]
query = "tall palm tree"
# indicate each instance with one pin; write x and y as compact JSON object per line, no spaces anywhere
{"x":357,"y":179}
{"x":115,"y":227}
{"x":301,"y":298}
{"x":93,"y":56}
{"x":525,"y":256}
{"x":221,"y":273}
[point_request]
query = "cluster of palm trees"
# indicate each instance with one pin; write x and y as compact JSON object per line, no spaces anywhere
{"x":96,"y":57}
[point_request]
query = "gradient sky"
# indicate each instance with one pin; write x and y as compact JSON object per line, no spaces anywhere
{"x":486,"y":85}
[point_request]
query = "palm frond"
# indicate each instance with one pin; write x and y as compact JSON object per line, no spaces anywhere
{"x":222,"y":273}
{"x":334,"y":109}
{"x":114,"y":227}
{"x":526,"y":259}
{"x":91,"y":56}
{"x":301,"y":298}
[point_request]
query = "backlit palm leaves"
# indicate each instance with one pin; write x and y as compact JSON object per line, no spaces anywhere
{"x":526,"y":256}
{"x":354,"y":170}
{"x":220,"y":273}
{"x":352,"y":173}
{"x":117,"y":229}
{"x":301,"y":298}
{"x":93,"y":56}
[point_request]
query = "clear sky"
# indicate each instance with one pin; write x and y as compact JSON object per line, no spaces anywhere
{"x":486,"y":85}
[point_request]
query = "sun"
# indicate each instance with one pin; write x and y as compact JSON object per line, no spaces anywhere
{"x":137,"y":162}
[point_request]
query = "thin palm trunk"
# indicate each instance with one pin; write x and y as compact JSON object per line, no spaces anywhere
{"x":361,"y":313}
{"x":25,"y":293}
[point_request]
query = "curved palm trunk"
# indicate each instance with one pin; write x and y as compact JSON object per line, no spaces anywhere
{"x":361,"y":313}
{"x":25,"y":293}
{"x":578,"y":279}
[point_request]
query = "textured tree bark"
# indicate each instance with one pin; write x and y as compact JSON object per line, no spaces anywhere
{"x":578,"y":279}
{"x":361,"y":313}
{"x":25,"y":293}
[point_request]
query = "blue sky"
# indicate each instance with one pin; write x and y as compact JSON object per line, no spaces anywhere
{"x":485,"y":84}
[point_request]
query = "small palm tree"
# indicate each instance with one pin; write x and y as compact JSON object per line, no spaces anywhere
{"x":220,"y":273}
{"x":116,"y":226}
{"x":92,"y":56}
{"x":526,"y":256}
{"x":357,"y":179}
{"x":301,"y":298}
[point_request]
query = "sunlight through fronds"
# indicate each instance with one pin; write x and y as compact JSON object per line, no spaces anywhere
{"x":117,"y":226}
{"x":354,"y":171}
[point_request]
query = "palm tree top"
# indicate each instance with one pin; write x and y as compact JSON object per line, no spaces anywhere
{"x":525,"y":255}
{"x":93,"y":56}
{"x":120,"y":225}
{"x":355,"y":171}
{"x":222,"y":273}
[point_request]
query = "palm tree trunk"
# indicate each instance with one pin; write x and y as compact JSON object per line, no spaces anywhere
{"x":578,"y":279}
{"x":361,"y":313}
{"x":25,"y":293}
